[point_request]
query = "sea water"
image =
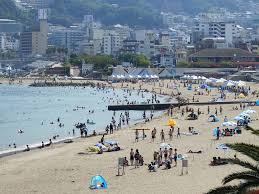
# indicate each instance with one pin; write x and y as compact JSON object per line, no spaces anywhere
{"x":33,"y":109}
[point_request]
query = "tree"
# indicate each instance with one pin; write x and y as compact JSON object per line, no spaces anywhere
{"x":138,"y":60}
{"x":67,"y":67}
{"x":251,"y":176}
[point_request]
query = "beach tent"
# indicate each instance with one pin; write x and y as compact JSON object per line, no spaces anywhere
{"x":98,"y":182}
{"x":257,"y":102}
{"x":190,"y":87}
{"x":171,"y":122}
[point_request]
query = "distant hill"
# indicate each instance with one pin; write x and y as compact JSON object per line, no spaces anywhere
{"x":144,"y":13}
{"x":8,"y":10}
{"x":131,"y":12}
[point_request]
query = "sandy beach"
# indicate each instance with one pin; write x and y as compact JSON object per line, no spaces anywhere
{"x":60,"y":169}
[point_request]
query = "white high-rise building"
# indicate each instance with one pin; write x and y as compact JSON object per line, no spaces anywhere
{"x":88,"y":25}
{"x":111,"y":44}
{"x":226,"y":30}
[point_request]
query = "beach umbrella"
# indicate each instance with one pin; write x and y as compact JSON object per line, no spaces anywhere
{"x":171,"y":122}
{"x":139,"y":76}
{"x":164,"y":146}
{"x":203,"y":78}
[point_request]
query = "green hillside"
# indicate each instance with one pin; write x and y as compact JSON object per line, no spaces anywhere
{"x":143,"y":13}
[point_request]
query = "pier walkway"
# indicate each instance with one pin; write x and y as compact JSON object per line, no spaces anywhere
{"x":164,"y":106}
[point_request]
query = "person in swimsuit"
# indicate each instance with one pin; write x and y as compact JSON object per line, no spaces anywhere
{"x":171,"y":155}
{"x":170,"y":134}
{"x":175,"y":156}
{"x":166,"y":154}
{"x":162,"y":134}
{"x":131,"y":157}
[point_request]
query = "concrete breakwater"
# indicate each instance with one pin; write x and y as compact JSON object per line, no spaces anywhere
{"x":63,"y":84}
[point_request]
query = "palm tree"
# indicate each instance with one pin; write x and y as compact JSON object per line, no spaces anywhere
{"x":250,"y":177}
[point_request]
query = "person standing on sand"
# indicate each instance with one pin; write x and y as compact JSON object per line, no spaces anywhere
{"x":175,"y":157}
{"x":136,"y":156}
{"x":153,"y":136}
{"x":162,"y":134}
{"x":131,"y":157}
{"x":216,"y":111}
{"x":107,"y":129}
{"x":220,"y":109}
{"x":160,"y":155}
{"x":208,"y":110}
{"x":136,"y":136}
{"x":166,"y":154}
{"x":178,"y":132}
{"x":111,"y":128}
{"x":218,"y":133}
{"x":171,"y":155}
{"x":170,"y":134}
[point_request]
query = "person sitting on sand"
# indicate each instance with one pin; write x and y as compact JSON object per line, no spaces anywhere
{"x":152,"y":167}
{"x":167,"y":165}
{"x":141,"y":160}
{"x":225,"y":119}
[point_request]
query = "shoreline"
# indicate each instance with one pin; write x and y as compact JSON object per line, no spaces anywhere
{"x":66,"y":140}
{"x":37,"y":146}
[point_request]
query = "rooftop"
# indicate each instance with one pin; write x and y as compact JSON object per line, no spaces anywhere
{"x":229,"y":52}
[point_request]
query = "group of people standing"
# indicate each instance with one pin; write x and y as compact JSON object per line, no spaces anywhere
{"x":162,"y":134}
